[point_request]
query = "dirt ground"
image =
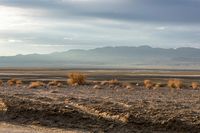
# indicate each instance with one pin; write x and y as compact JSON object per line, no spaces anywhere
{"x":112,"y":108}
{"x":13,"y":128}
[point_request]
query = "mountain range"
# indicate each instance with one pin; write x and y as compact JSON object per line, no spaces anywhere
{"x":109,"y":57}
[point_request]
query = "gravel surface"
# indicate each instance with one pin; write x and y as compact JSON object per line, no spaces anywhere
{"x":109,"y":109}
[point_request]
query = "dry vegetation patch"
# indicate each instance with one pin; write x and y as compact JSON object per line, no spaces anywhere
{"x":195,"y":85}
{"x":175,"y":84}
{"x":76,"y":79}
{"x":13,"y":82}
{"x":1,"y":82}
{"x":36,"y":84}
{"x":148,"y":84}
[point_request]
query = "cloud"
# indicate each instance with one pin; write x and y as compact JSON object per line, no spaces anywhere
{"x":184,"y":11}
{"x":161,"y":28}
{"x":14,"y":41}
{"x":58,"y":25}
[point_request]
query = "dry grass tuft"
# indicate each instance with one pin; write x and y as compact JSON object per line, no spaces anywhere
{"x":11,"y":82}
{"x":148,"y":84}
{"x":195,"y":85}
{"x":175,"y":84}
{"x":76,"y":79}
{"x":18,"y":82}
{"x":36,"y":84}
{"x":1,"y":82}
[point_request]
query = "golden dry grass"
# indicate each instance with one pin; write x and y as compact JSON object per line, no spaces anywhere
{"x":11,"y":82}
{"x":195,"y":85}
{"x":76,"y":79}
{"x":1,"y":82}
{"x":148,"y":84}
{"x":36,"y":84}
{"x":175,"y":84}
{"x":18,"y":83}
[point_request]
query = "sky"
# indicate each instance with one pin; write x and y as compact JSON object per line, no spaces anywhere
{"x":45,"y":26}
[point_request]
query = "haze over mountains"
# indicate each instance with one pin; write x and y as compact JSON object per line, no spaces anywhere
{"x":108,"y":57}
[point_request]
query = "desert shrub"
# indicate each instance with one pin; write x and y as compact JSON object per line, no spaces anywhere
{"x":148,"y":84}
{"x":170,"y":83}
{"x":175,"y":83}
{"x":195,"y":85}
{"x":1,"y":82}
{"x":11,"y":82}
{"x":76,"y":79}
{"x":36,"y":84}
{"x":18,"y":82}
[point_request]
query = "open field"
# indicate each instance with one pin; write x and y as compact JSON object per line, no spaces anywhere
{"x":109,"y":108}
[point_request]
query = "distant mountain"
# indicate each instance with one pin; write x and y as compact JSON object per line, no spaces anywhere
{"x":143,"y":56}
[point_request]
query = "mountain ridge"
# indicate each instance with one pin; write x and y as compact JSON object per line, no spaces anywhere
{"x":121,"y":56}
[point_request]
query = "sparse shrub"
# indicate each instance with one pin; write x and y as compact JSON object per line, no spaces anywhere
{"x":18,"y":82}
{"x":76,"y":79}
{"x":36,"y":84}
{"x":148,"y":84}
{"x":1,"y":82}
{"x":11,"y":82}
{"x":195,"y":85}
{"x":175,"y":84}
{"x":170,"y":83}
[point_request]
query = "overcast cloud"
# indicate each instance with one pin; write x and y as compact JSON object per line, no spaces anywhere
{"x":44,"y":26}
